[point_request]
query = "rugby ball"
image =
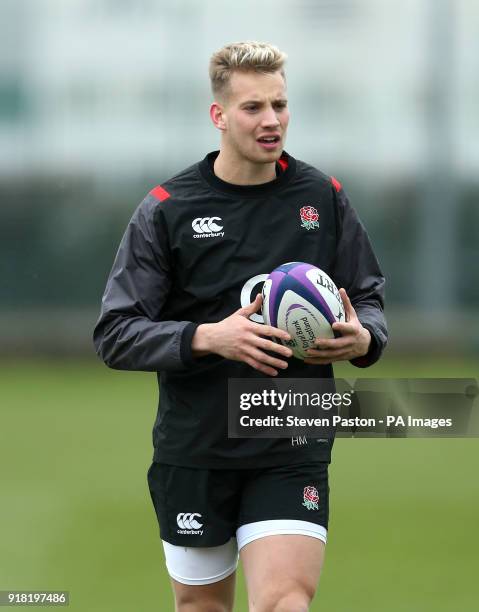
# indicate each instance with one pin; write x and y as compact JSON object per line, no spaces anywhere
{"x":303,"y":300}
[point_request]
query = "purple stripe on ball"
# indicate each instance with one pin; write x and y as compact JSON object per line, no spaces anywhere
{"x":327,"y":310}
{"x":300,"y":269}
{"x":276,"y":278}
{"x":299,"y":273}
{"x":287,"y":266}
{"x":295,"y":306}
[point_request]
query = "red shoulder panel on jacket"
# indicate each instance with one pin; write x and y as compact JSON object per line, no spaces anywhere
{"x":160,"y":193}
{"x":336,"y":184}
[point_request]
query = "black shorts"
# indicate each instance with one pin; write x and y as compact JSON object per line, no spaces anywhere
{"x":205,"y":507}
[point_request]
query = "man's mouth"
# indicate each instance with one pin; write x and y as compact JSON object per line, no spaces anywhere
{"x":269,"y":139}
{"x":269,"y":142}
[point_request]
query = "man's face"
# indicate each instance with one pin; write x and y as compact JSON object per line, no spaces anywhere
{"x":256,"y":116}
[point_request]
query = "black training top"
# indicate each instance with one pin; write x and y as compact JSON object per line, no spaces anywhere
{"x":197,"y":249}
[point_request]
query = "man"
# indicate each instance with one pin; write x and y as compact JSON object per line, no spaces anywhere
{"x":178,"y":302}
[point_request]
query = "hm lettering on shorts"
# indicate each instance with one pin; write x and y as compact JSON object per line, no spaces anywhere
{"x":188,"y":525}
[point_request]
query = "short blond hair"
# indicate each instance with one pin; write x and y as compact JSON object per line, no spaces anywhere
{"x":249,"y":55}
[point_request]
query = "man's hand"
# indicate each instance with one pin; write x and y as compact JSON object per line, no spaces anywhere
{"x":354,"y":342}
{"x":240,"y":339}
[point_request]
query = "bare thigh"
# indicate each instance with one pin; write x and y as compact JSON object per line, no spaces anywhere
{"x":216,"y":597}
{"x":282,"y":568}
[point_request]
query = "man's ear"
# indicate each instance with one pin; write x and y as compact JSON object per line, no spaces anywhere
{"x":217,"y":116}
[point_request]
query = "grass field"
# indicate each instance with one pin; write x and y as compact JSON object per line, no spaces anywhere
{"x":75,"y":513}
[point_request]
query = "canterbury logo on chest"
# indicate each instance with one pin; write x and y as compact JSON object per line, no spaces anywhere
{"x":207,"y":227}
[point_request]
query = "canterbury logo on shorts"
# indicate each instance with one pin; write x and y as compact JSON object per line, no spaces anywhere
{"x":207,"y":227}
{"x":187,"y":523}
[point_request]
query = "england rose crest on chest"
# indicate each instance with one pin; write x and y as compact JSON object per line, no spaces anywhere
{"x":309,"y":217}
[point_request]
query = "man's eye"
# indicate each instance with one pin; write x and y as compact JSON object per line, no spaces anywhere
{"x":250,"y":108}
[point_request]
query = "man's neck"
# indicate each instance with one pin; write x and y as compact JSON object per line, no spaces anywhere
{"x":228,"y":168}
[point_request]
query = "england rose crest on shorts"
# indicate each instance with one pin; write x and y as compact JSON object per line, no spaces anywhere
{"x":311,"y":497}
{"x":309,"y":217}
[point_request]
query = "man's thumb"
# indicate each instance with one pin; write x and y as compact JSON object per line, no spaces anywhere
{"x":255,"y":305}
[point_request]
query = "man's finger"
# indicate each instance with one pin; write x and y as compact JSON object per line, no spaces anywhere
{"x":269,"y":345}
{"x":345,"y":329}
{"x":333,"y":343}
{"x":329,"y":354}
{"x":268,"y":330}
{"x":255,"y":305}
{"x":260,"y":367}
{"x":348,"y":307}
{"x":265,"y":359}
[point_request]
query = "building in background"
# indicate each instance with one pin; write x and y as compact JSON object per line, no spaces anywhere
{"x":111,"y":87}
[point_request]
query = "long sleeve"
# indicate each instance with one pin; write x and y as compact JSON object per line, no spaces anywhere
{"x":130,"y":334}
{"x":357,"y":270}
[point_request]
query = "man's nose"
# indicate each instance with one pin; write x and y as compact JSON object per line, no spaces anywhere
{"x":270,"y":118}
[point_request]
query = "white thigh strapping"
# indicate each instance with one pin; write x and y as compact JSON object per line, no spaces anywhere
{"x":201,"y":565}
{"x":260,"y":529}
